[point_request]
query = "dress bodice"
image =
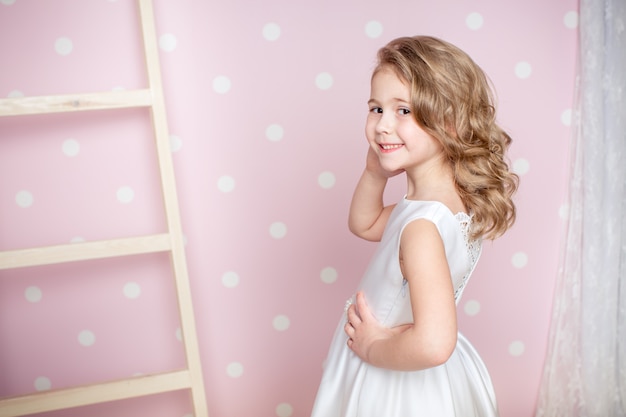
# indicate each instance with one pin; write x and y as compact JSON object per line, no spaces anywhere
{"x":385,"y":287}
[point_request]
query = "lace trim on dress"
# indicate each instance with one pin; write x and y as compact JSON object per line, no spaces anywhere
{"x":473,"y":249}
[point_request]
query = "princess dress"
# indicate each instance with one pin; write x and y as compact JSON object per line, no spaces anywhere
{"x":459,"y":388}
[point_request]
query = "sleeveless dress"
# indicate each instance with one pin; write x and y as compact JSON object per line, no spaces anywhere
{"x":459,"y":388}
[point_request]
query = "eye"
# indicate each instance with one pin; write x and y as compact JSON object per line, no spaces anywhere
{"x":404,"y":111}
{"x":376,"y":109}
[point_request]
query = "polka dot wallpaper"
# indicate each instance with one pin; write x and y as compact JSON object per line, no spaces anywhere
{"x":266,"y":107}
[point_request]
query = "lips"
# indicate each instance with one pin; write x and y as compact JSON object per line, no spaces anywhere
{"x":390,"y":147}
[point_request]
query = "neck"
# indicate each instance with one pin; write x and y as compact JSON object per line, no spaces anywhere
{"x":434,"y":184}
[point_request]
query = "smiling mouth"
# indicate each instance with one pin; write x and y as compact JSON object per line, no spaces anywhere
{"x":390,"y":148}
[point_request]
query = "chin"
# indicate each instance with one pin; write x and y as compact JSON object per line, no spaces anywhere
{"x":391,"y":167}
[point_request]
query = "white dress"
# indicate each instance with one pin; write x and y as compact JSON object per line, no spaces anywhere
{"x":461,"y":387}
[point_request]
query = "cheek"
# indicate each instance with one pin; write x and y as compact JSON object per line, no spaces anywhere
{"x":370,"y":130}
{"x":406,"y":132}
{"x":412,"y":132}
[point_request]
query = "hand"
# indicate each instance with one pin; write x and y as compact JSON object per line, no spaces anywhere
{"x":364,"y":330}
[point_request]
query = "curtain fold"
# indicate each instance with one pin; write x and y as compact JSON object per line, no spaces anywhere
{"x":585,"y":367}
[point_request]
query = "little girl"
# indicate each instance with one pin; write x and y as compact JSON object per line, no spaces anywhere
{"x":397,"y":351}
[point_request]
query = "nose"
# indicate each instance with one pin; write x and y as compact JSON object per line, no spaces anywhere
{"x":385,"y":123}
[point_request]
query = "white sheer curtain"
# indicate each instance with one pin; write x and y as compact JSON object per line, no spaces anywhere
{"x":585,"y":367}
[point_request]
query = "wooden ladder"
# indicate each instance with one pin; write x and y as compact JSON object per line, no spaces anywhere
{"x":172,"y":242}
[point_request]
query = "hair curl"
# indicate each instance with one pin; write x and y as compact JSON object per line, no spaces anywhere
{"x":452,"y":100}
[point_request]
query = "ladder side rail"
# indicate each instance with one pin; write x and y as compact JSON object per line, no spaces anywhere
{"x":172,"y":211}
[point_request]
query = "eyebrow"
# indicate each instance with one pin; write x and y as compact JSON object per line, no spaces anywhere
{"x":395,"y":99}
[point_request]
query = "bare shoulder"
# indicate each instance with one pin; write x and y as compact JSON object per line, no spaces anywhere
{"x":421,"y":247}
{"x":420,"y":231}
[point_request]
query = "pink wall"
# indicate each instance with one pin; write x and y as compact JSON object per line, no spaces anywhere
{"x":266,"y":103}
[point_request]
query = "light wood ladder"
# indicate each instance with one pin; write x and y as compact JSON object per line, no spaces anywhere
{"x":172,"y":242}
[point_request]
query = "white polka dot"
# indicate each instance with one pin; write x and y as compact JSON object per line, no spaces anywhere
{"x":328,"y":275}
{"x":179,"y":334}
{"x":523,"y":70}
{"x":125,"y":195}
{"x":15,"y":94}
{"x":474,"y":21}
{"x":521,"y":166}
{"x":33,"y":294}
{"x":230,"y":279}
{"x":86,"y":338}
{"x":278,"y":230}
{"x":566,"y":117}
{"x":271,"y":31}
{"x":234,"y":370}
{"x":132,"y":290}
{"x":571,"y":19}
{"x":226,"y":183}
{"x":373,"y":29}
{"x":274,"y":132}
{"x":221,"y":84}
{"x":326,"y":180}
{"x":42,"y":383}
{"x":519,"y":260}
{"x":472,"y":307}
{"x":516,"y":348}
{"x":70,"y":147}
{"x":176,"y":143}
{"x":324,"y":81}
{"x":281,"y":323}
{"x":284,"y":410}
{"x":564,"y":211}
{"x":63,"y":46}
{"x":24,"y":199}
{"x":168,"y":42}
{"x":77,"y":239}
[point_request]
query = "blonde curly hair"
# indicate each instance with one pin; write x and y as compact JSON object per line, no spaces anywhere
{"x":452,"y":100}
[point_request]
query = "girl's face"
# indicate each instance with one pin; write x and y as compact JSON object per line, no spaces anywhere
{"x":391,"y":129}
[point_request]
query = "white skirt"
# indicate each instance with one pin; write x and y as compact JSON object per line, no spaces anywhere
{"x":352,"y":388}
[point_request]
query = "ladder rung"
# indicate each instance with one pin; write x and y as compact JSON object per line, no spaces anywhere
{"x":75,"y":102}
{"x":94,"y":394}
{"x":48,"y":255}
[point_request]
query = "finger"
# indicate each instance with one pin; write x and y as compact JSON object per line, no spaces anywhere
{"x":353,"y":316}
{"x":349,"y":330}
{"x":361,"y":306}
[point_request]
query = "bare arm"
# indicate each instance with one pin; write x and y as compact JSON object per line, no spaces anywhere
{"x":368,"y":214}
{"x":431,"y":339}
